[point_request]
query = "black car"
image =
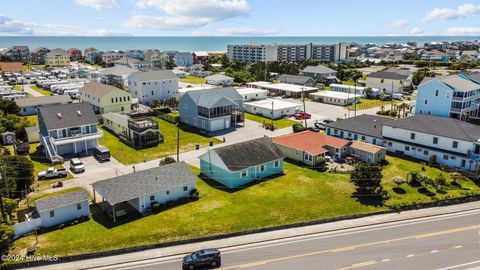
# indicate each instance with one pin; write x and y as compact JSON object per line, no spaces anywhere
{"x":204,"y":258}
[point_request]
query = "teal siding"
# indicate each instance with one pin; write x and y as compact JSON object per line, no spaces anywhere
{"x":234,"y":179}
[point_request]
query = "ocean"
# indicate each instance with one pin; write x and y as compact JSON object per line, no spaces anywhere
{"x":201,"y":43}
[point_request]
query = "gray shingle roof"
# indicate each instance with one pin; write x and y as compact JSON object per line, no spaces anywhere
{"x":460,"y":83}
{"x":39,"y":101}
{"x":474,"y":76}
{"x":391,"y":74}
{"x":320,"y":69}
{"x":142,"y":183}
{"x":97,"y":89}
{"x":57,"y":51}
{"x":369,"y":125}
{"x":61,"y":200}
{"x":243,"y":155}
{"x":295,"y":79}
{"x":154,"y":75}
{"x":118,"y":71}
{"x":218,"y":77}
{"x":440,"y":126}
{"x":66,"y":115}
{"x":210,"y":96}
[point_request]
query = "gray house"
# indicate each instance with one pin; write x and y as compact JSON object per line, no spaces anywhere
{"x":211,"y":109}
{"x":297,"y":80}
{"x":320,"y":74}
{"x":29,"y":106}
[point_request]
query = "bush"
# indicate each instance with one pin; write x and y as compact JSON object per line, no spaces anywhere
{"x":6,"y":237}
{"x":156,"y":207}
{"x":298,"y":127}
{"x":167,"y":160}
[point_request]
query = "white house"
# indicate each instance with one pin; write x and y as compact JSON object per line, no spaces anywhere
{"x":360,"y":90}
{"x":289,"y":90}
{"x":153,"y":85}
{"x":336,"y":98}
{"x":55,"y":210}
{"x":143,"y":188}
{"x":396,"y":80}
{"x":219,"y":79}
{"x":272,"y":107}
{"x":251,"y":94}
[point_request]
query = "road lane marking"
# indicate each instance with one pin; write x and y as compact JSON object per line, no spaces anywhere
{"x":385,"y":260}
{"x":353,"y":247}
{"x":434,"y":251}
{"x":459,"y":265}
{"x":410,"y":255}
{"x":357,"y":265}
{"x":457,"y":247}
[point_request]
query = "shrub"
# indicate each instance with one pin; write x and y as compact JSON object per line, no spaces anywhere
{"x":298,"y":127}
{"x":167,"y":160}
{"x":156,"y":207}
{"x":399,"y":180}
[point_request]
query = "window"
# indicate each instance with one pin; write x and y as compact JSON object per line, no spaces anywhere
{"x":168,"y":192}
{"x":185,"y":188}
{"x":407,"y":148}
{"x":412,"y":136}
{"x":426,"y":101}
{"x":421,"y":111}
{"x":152,"y":93}
{"x":435,"y":140}
{"x":436,"y":93}
{"x":464,"y":162}
{"x":152,"y":198}
{"x":262,"y":168}
{"x":455,"y":144}
{"x":112,"y":100}
{"x":52,"y":214}
{"x":363,"y":138}
{"x":425,"y":152}
{"x":453,"y":157}
{"x":79,"y":206}
{"x":276,"y":163}
{"x":389,"y":143}
{"x":445,"y":157}
{"x":244,"y":174}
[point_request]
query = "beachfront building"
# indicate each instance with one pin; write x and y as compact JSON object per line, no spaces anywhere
{"x":200,"y":57}
{"x":38,"y":55}
{"x":57,"y":58}
{"x":183,"y":59}
{"x":74,"y":54}
{"x":110,"y":57}
{"x":17,"y":53}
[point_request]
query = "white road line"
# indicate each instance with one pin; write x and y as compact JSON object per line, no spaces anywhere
{"x":385,"y":260}
{"x":410,"y":255}
{"x":434,"y":251}
{"x":459,"y":265}
{"x":456,"y":247}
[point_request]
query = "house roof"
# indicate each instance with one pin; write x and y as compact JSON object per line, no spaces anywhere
{"x":440,"y":126}
{"x":218,"y":77}
{"x":11,"y":66}
{"x":61,"y":200}
{"x":124,"y":60}
{"x":154,"y":75}
{"x":366,"y":147}
{"x":243,"y":155}
{"x":311,"y":142}
{"x":210,"y":96}
{"x":67,"y":115}
{"x":40,"y":49}
{"x":287,"y":78}
{"x":97,"y":89}
{"x":391,"y":74}
{"x":39,"y":101}
{"x":458,"y":82}
{"x":474,"y":76}
{"x":369,"y":125}
{"x":320,"y":69}
{"x":118,"y":71}
{"x":57,"y":51}
{"x":201,"y":53}
{"x":142,"y":183}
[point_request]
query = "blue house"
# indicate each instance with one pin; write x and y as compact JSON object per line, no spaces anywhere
{"x":239,"y":164}
{"x":455,"y":96}
{"x":183,"y":59}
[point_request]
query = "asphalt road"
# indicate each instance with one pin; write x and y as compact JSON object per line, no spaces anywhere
{"x":445,"y":242}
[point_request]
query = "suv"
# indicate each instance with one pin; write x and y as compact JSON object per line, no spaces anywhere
{"x":76,"y":165}
{"x":101,"y":153}
{"x":203,"y":258}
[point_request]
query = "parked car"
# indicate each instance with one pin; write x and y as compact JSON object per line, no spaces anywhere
{"x":76,"y":165}
{"x":52,"y":173}
{"x":385,"y":97}
{"x":101,"y":153}
{"x":57,"y":184}
{"x":203,"y":258}
{"x":302,"y":115}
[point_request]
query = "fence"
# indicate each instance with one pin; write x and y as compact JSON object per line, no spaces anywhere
{"x":169,"y":118}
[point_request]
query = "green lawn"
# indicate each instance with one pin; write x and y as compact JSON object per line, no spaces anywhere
{"x":29,"y":67}
{"x":32,"y":120}
{"x":192,"y":80}
{"x":41,"y":90}
{"x":315,"y":195}
{"x":349,"y":83}
{"x":128,"y":155}
{"x":281,"y":123}
{"x":365,"y":104}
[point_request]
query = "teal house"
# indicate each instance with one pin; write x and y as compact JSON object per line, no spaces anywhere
{"x":239,"y":164}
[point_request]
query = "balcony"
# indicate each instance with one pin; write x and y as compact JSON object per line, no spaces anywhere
{"x":77,"y":138}
{"x":140,"y":124}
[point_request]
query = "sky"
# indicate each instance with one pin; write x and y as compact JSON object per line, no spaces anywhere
{"x":239,"y":18}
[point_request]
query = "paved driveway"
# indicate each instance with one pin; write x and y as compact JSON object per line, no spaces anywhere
{"x":31,"y":91}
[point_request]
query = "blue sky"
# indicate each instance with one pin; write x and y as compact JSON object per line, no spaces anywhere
{"x":239,"y":17}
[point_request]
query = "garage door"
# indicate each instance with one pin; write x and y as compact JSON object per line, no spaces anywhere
{"x":217,"y":124}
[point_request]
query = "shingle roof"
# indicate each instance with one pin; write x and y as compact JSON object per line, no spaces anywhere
{"x":310,"y":142}
{"x":39,"y":101}
{"x":474,"y":76}
{"x":57,"y":51}
{"x":142,"y":183}
{"x":287,"y":78}
{"x":218,"y":77}
{"x":440,"y":126}
{"x":97,"y":89}
{"x":39,"y":49}
{"x":210,"y":96}
{"x":118,"y":71}
{"x":61,"y":200}
{"x":391,"y":74}
{"x":320,"y":69}
{"x":460,"y":83}
{"x":67,"y":115}
{"x":154,"y":75}
{"x":366,"y":147}
{"x":243,"y":155}
{"x":369,"y":125}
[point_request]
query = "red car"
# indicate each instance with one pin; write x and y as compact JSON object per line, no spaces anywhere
{"x":302,"y":115}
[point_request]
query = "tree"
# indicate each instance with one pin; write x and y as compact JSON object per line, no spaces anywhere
{"x":368,"y":180}
{"x":399,"y":180}
{"x":119,"y":85}
{"x":6,"y":237}
{"x":155,"y":103}
{"x":298,"y":127}
{"x":9,"y":107}
{"x":19,"y":174}
{"x":170,"y":64}
{"x":321,"y":162}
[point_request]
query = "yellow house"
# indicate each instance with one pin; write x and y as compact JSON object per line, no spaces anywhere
{"x":106,"y":98}
{"x":57,"y":58}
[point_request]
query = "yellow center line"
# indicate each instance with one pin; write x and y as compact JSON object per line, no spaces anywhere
{"x":357,"y":265}
{"x":353,"y":247}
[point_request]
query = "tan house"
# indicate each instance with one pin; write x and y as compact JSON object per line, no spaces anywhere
{"x":106,"y":98}
{"x":57,"y":58}
{"x":366,"y":152}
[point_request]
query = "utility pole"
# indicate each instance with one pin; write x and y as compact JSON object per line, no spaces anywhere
{"x":178,"y":142}
{"x":391,"y":99}
{"x":304,"y":108}
{"x":272,"y":117}
{"x":355,"y":98}
{"x":348,"y":98}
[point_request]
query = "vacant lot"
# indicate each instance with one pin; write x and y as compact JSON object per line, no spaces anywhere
{"x":192,"y":80}
{"x":280,"y":123}
{"x":365,"y":104}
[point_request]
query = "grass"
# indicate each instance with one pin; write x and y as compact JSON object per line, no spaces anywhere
{"x":173,"y":114}
{"x":32,"y":120}
{"x":128,"y":155}
{"x":192,"y":80}
{"x":316,"y":195}
{"x":41,"y":90}
{"x":280,"y":123}
{"x":365,"y":104}
{"x":349,"y":83}
{"x":30,"y":67}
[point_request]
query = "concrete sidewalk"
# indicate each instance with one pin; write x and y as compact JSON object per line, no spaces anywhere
{"x":266,"y":236}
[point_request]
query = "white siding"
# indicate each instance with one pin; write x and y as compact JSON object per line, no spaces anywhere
{"x":64,"y":214}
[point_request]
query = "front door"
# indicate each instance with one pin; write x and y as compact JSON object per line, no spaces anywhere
{"x":227,"y":123}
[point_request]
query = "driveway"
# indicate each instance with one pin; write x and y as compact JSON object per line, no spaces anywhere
{"x":31,"y":91}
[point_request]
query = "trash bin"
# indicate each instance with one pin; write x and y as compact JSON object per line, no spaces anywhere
{"x":224,"y":139}
{"x":211,"y":142}
{"x":197,"y":146}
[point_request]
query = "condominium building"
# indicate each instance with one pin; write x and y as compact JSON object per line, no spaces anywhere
{"x":254,"y":53}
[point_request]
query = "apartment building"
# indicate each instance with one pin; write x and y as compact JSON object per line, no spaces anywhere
{"x":153,"y":85}
{"x":57,"y":58}
{"x":17,"y":54}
